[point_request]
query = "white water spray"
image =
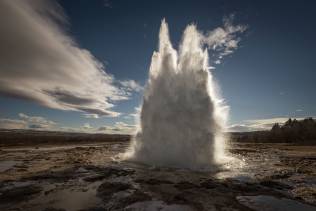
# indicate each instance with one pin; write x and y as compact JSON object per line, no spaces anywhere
{"x":182,"y":117}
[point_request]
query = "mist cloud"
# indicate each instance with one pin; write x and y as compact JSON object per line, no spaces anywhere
{"x":40,"y":62}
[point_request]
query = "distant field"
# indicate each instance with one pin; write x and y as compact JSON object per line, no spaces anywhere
{"x":33,"y":138}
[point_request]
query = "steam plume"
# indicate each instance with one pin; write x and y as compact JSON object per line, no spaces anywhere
{"x":182,"y":116}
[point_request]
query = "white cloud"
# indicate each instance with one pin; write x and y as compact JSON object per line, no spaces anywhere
{"x":137,"y":111}
{"x":224,"y":40}
{"x":118,"y":128}
{"x":12,"y":124}
{"x":91,"y":116}
{"x":217,"y":61}
{"x":37,"y":122}
{"x":40,"y":123}
{"x":40,"y":62}
{"x":28,"y":122}
{"x":87,"y":126}
{"x":131,"y":85}
{"x":239,"y":128}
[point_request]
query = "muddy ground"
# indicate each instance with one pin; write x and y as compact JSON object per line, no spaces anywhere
{"x":86,"y":177}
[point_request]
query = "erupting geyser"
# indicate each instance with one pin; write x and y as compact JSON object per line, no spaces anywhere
{"x":182,"y":117}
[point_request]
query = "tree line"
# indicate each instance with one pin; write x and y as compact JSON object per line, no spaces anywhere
{"x":292,"y":131}
{"x":295,"y":130}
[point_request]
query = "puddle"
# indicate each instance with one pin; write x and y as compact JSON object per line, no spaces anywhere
{"x":68,"y":199}
{"x":271,"y":203}
{"x":6,"y":165}
{"x":157,"y":206}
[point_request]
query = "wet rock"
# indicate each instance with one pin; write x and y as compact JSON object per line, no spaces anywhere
{"x":180,"y":198}
{"x":246,"y":187}
{"x":271,"y":203}
{"x":208,"y":184}
{"x":305,"y":169}
{"x":94,"y":178}
{"x":135,"y":196}
{"x":274,"y":184}
{"x":238,"y":186}
{"x":107,"y":189}
{"x":21,"y":170}
{"x":280,"y":174}
{"x":19,"y":193}
{"x":56,"y":176}
{"x":53,"y":209}
{"x":307,"y":194}
{"x":21,"y":166}
{"x":153,"y":181}
{"x":185,"y":185}
{"x":49,"y":191}
{"x":117,"y":171}
{"x":94,"y":209}
{"x":242,"y":151}
{"x":110,"y":171}
{"x":157,"y":205}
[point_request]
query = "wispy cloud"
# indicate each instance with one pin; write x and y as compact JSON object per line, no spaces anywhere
{"x":119,"y":128}
{"x":12,"y":124}
{"x":37,"y":122}
{"x":28,"y":122}
{"x":91,"y":116}
{"x":87,"y":127}
{"x":131,"y":85}
{"x":240,"y":128}
{"x":224,"y":40}
{"x":136,"y":113}
{"x":40,"y":62}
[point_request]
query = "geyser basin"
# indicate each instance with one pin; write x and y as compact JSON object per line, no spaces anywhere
{"x":182,"y":117}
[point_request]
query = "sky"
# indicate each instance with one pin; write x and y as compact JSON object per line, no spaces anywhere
{"x":83,"y":65}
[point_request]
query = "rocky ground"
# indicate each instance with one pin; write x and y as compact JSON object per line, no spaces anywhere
{"x":86,"y":178}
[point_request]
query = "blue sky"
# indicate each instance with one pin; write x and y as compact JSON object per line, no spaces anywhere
{"x":271,"y":74}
